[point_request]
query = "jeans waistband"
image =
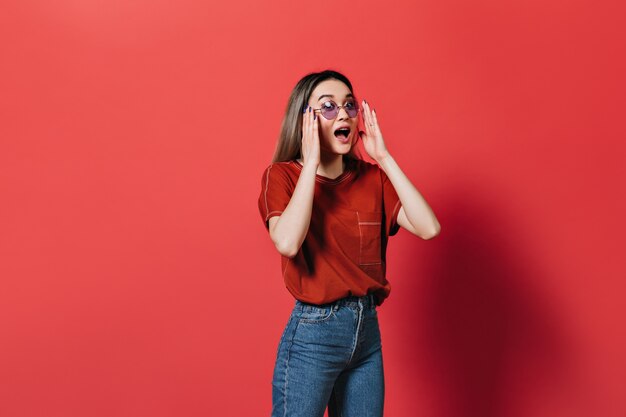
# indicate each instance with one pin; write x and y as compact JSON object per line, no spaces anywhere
{"x":367,"y":301}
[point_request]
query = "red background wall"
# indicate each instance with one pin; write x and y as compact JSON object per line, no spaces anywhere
{"x":137,"y":278}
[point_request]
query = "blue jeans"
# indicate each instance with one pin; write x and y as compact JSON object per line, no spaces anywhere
{"x":330,"y":355}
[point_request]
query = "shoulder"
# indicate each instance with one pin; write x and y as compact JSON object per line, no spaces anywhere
{"x":282,"y":166}
{"x":283,"y":171}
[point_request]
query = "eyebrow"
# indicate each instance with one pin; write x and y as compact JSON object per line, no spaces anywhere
{"x":349,"y":95}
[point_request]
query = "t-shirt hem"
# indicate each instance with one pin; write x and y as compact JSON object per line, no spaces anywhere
{"x":395,"y":227}
{"x":269,"y":216}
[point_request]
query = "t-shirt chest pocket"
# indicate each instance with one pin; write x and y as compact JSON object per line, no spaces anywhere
{"x":355,"y":234}
{"x":370,"y":227}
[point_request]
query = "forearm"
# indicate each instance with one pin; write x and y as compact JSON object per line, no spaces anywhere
{"x":416,"y":209}
{"x":293,"y":224}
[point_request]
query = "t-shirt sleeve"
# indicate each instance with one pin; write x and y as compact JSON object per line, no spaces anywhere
{"x":276,"y":192}
{"x":392,"y":204}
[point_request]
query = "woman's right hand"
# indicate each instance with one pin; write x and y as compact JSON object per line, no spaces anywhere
{"x":310,"y":138}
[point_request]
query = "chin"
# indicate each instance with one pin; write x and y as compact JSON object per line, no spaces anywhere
{"x":342,"y":149}
{"x":337,"y":148}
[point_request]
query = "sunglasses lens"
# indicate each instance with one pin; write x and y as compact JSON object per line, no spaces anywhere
{"x":352,"y":109}
{"x":329,"y":110}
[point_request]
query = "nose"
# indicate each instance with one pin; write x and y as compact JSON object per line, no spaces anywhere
{"x":345,"y":112}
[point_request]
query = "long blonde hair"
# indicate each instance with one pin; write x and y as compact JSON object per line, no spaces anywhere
{"x":289,"y":145}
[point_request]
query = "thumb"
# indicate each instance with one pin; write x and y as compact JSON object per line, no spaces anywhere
{"x":361,"y":134}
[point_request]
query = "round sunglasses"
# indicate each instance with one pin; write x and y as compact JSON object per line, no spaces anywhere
{"x":330,"y":109}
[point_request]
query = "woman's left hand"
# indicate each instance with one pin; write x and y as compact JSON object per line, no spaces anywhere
{"x":372,"y":137}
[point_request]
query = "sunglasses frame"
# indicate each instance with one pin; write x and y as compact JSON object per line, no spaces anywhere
{"x":358,"y":109}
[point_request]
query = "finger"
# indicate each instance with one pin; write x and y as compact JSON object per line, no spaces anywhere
{"x":311,"y":123}
{"x":316,"y":135}
{"x":363,"y":119}
{"x":364,"y":112}
{"x":305,"y":135}
{"x":368,"y":125}
{"x":374,"y":118}
{"x":368,"y":116}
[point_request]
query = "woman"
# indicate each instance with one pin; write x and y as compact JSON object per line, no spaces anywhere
{"x":329,"y":214}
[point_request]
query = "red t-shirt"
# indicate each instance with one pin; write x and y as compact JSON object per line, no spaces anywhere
{"x":344,"y":252}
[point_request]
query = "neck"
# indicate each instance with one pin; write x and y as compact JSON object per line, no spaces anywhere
{"x":331,"y":166}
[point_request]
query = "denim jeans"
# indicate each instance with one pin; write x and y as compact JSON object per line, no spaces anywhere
{"x":330,"y":355}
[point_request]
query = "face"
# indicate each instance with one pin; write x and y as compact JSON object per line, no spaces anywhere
{"x":333,"y":137}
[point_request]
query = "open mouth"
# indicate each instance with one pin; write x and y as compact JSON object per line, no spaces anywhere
{"x":342,"y":133}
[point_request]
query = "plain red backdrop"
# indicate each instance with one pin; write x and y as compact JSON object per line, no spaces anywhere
{"x":137,"y":278}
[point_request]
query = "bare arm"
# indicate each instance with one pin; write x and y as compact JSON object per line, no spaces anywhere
{"x":415,"y":215}
{"x":418,"y":218}
{"x":289,"y":230}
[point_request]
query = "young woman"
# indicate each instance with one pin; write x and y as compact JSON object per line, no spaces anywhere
{"x":329,"y":214}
